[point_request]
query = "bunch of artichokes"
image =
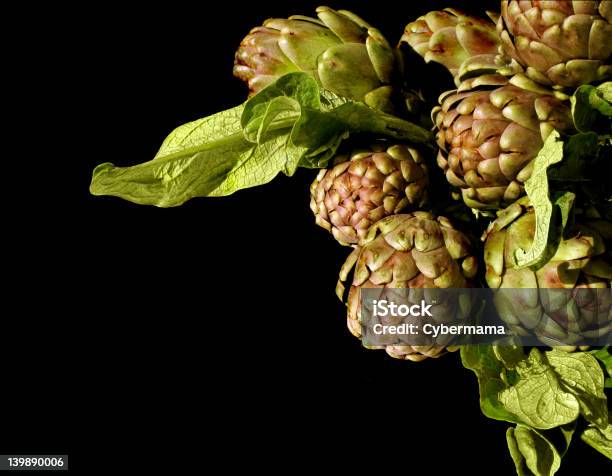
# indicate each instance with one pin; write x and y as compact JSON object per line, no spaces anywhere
{"x":518,"y":141}
{"x":526,"y":80}
{"x":513,"y":73}
{"x":493,"y":126}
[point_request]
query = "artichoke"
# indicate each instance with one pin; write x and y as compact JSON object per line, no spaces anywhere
{"x":558,"y":43}
{"x":414,"y":250}
{"x":580,"y":266}
{"x":489,"y":132}
{"x":366,"y":186}
{"x":460,"y":42}
{"x":344,"y":53}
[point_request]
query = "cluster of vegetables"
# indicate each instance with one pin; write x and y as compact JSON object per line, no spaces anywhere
{"x":518,"y":160}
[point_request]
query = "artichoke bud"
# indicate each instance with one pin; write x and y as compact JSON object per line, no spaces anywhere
{"x":557,"y":303}
{"x":488,"y":133}
{"x":340,"y":50}
{"x":560,"y":45}
{"x":417,"y":252}
{"x":371,"y":185}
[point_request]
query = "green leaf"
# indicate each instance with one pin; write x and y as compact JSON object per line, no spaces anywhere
{"x":278,"y":109}
{"x":582,"y":376}
{"x":538,"y":192}
{"x":605,"y":91}
{"x":482,"y":361}
{"x":551,"y":216}
{"x":544,"y":397}
{"x":533,"y":454}
{"x":323,"y":119}
{"x":592,"y":110}
{"x":290,"y":123}
{"x":297,"y":97}
{"x":600,"y":439}
{"x":566,"y":432}
{"x":536,"y":452}
{"x":510,"y":356}
{"x":289,"y":100}
{"x":209,"y":157}
{"x":538,"y":398}
{"x":515,"y":453}
{"x":360,"y":118}
{"x":319,"y":157}
{"x":543,"y":391}
{"x":300,"y":87}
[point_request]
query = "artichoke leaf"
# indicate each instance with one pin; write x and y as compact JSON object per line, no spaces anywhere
{"x":581,"y":375}
{"x":551,"y":216}
{"x":532,"y":451}
{"x":538,"y":398}
{"x":291,"y":123}
{"x":208,"y":157}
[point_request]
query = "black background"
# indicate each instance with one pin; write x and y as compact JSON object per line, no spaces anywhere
{"x":208,"y":333}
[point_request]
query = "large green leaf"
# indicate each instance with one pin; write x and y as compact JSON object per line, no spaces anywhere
{"x":542,"y":390}
{"x":543,"y":394}
{"x":581,"y":375}
{"x":290,"y":123}
{"x":538,"y":399}
{"x":209,"y":157}
{"x":605,"y":357}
